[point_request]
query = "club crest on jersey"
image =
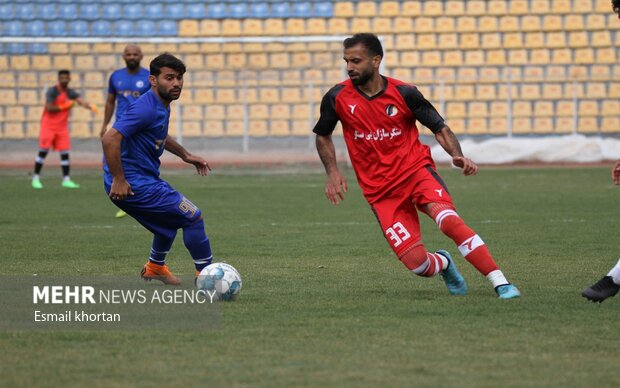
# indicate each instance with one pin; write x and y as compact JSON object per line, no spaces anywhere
{"x":139,"y":84}
{"x":391,"y":110}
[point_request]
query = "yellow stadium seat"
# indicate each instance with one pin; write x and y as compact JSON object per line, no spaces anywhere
{"x":519,"y":7}
{"x":231,"y":27}
{"x":360,"y":24}
{"x":15,"y":113}
{"x":432,"y":8}
{"x":498,"y":109}
{"x":584,"y":56}
{"x":215,"y":112}
{"x":596,"y":90}
{"x":426,"y":41}
{"x":477,"y":126}
{"x":610,"y":124}
{"x":564,"y":124}
{"x":405,"y":41}
{"x":80,"y":130}
{"x":295,"y":26}
{"x":543,"y":108}
{"x":498,"y":126}
{"x":258,"y":128}
{"x":535,"y":40}
{"x":189,"y":28}
{"x":13,"y":130}
{"x":573,"y":23}
{"x":534,"y":73}
{"x":259,"y":111}
{"x":274,"y":27}
{"x":79,"y":48}
{"x":234,"y":128}
{"x":561,"y":56}
{"x":431,"y":58}
{"x":469,"y":41}
{"x":381,"y":25}
{"x":58,"y":48}
{"x":30,"y":79}
{"x":344,"y":9}
{"x":530,"y":91}
{"x":411,"y":8}
{"x":488,"y":24}
{"x":423,"y":75}
{"x":542,"y":125}
{"x":253,"y":27}
{"x":610,"y":107}
{"x":316,"y":26}
{"x":424,"y":24}
{"x":447,"y":41}
{"x":192,"y":128}
{"x":402,"y":73}
{"x":522,"y":109}
{"x":410,"y":58}
{"x":279,"y":128}
{"x":225,"y":96}
{"x":552,"y":23}
{"x":389,"y":8}
{"x":235,"y":112}
{"x":485,"y":92}
{"x":257,"y":61}
{"x":457,"y":126}
{"x":513,"y":40}
{"x":477,"y":109}
{"x":281,"y":111}
{"x":29,"y":97}
{"x":496,"y":57}
{"x":522,"y":125}
{"x":601,"y":39}
{"x":203,"y":95}
{"x":464,"y":92}
{"x":279,"y":61}
{"x":41,"y":62}
{"x":236,"y":61}
{"x":22,"y":62}
{"x":366,"y":9}
{"x":453,"y":57}
{"x":337,"y":26}
{"x":291,"y":95}
{"x":32,"y":130}
{"x":455,"y":7}
{"x":475,"y":7}
{"x":509,"y":24}
{"x":565,"y":108}
{"x":588,"y":108}
{"x":588,"y":125}
{"x":474,"y":58}
{"x":531,"y":23}
{"x":215,"y":61}
{"x":466,"y":24}
{"x":582,"y":6}
{"x":596,"y":22}
{"x":213,"y":128}
{"x":192,"y":112}
{"x":403,"y":25}
{"x":489,"y":74}
{"x":556,"y":39}
{"x":606,"y":55}
{"x":33,"y":113}
{"x":269,"y":95}
{"x":497,"y":7}
{"x":210,"y":27}
{"x":600,"y":72}
{"x":561,"y":6}
{"x":491,"y":40}
{"x":301,"y":128}
{"x":301,"y":112}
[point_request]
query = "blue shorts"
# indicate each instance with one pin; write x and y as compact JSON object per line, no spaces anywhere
{"x":160,"y":208}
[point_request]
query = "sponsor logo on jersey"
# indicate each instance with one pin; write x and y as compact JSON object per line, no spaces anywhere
{"x":391,"y":110}
{"x":378,"y":135}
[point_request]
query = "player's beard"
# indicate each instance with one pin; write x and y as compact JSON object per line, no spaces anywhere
{"x":132,"y":64}
{"x":362,"y":78}
{"x":168,"y":95}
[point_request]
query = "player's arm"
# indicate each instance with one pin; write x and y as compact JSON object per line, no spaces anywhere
{"x":336,"y":184}
{"x":425,"y":113}
{"x":111,"y":142}
{"x":86,"y":105}
{"x":202,"y":166}
{"x":110,"y":102}
{"x":615,"y":173}
{"x":50,"y":97}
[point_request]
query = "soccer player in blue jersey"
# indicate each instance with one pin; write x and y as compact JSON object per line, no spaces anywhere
{"x":132,"y":148}
{"x":125,"y":86}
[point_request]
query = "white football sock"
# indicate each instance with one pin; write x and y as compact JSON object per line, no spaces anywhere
{"x":615,"y":273}
{"x":497,"y":278}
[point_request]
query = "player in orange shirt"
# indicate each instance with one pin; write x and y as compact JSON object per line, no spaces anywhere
{"x":54,"y":133}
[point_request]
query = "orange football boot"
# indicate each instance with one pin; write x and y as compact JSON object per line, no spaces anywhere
{"x":152,"y":271}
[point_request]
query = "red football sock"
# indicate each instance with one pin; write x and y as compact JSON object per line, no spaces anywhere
{"x":421,"y":262}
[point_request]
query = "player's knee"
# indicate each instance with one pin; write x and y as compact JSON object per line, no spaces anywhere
{"x":416,"y":260}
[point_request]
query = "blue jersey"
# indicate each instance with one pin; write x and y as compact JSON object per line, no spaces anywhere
{"x":144,"y":127}
{"x":128,"y":88}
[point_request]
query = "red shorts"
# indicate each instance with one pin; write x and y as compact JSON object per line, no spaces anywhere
{"x":56,"y":139}
{"x":397,"y":210}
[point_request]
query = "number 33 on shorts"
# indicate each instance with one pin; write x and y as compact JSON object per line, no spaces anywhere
{"x":396,"y":234}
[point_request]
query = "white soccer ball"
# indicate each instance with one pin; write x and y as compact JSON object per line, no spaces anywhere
{"x":220,"y":281}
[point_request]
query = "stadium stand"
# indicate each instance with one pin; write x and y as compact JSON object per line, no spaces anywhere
{"x":539,"y":63}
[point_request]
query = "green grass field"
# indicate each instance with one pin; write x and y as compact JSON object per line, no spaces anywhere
{"x":325,"y":302}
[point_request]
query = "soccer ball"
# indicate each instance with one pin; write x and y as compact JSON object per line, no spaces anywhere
{"x":220,"y":278}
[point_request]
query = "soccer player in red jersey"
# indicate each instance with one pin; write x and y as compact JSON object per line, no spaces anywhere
{"x":395,"y":170}
{"x":55,"y":127}
{"x":608,"y":285}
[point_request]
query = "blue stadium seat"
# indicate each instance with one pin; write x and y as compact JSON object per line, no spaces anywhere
{"x":237,"y":10}
{"x":132,"y":11}
{"x":195,"y":11}
{"x":57,"y":28}
{"x":89,"y":11}
{"x":281,"y":10}
{"x":123,"y":28}
{"x":154,"y":11}
{"x":47,"y":11}
{"x":25,"y":11}
{"x":78,"y":28}
{"x":38,"y":48}
{"x":216,"y":11}
{"x":145,"y":28}
{"x":6,"y":12}
{"x":259,"y":10}
{"x":323,"y":10}
{"x":174,"y":11}
{"x":302,"y":9}
{"x":111,"y":11}
{"x":13,"y":28}
{"x":167,"y":28}
{"x":16,"y":48}
{"x":35,"y":28}
{"x":101,"y":28}
{"x":67,"y":11}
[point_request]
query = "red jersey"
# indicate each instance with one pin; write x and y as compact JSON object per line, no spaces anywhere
{"x":57,"y":121}
{"x":380,"y":131}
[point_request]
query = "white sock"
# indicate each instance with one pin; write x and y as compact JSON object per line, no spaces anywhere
{"x":615,"y":273}
{"x":497,"y":278}
{"x":35,"y":177}
{"x":444,"y":261}
{"x":66,"y":178}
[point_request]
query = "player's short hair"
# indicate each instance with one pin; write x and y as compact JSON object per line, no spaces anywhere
{"x":615,"y":3}
{"x":63,"y":72}
{"x":166,"y":60}
{"x":368,"y":40}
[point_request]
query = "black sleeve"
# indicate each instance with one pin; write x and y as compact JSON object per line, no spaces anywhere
{"x":51,"y":94}
{"x":423,"y":111}
{"x":329,"y":118}
{"x":73,"y":94}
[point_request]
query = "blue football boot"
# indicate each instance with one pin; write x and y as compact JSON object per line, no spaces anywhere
{"x":452,"y":277}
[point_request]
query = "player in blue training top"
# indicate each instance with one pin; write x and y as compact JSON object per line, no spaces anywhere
{"x":125,"y":86}
{"x":132,"y":148}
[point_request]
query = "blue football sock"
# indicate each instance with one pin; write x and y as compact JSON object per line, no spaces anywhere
{"x":160,"y":248}
{"x":197,"y":243}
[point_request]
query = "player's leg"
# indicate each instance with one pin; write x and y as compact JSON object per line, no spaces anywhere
{"x":194,"y":235}
{"x":606,"y":287}
{"x":63,"y":145}
{"x":38,"y":166}
{"x":399,"y":221}
{"x":432,"y":198}
{"x":156,"y":267}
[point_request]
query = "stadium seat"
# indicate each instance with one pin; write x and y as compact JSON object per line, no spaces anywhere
{"x":455,"y":7}
{"x":432,"y":8}
{"x":238,"y":11}
{"x":35,"y":28}
{"x":88,"y":11}
{"x":509,"y":24}
{"x":68,"y":11}
{"x":231,"y":27}
{"x":540,"y":7}
{"x":497,"y":7}
{"x":216,"y":11}
{"x":78,"y":28}
{"x":601,"y":39}
{"x":213,"y":128}
{"x":444,"y":24}
{"x":552,"y":23}
{"x":7,"y":11}
{"x":154,"y":11}
{"x":295,"y":26}
{"x":281,"y":10}
{"x":13,"y":28}
{"x":196,"y":10}
{"x":45,"y":11}
{"x":167,"y":28}
{"x":475,"y":7}
{"x":323,"y":9}
{"x":610,"y":124}
{"x":316,"y":26}
{"x":174,"y":11}
{"x":25,"y":11}
{"x":596,"y":22}
{"x":535,"y":40}
{"x":123,"y":28}
{"x":113,"y":12}
{"x":301,"y":9}
{"x":389,"y":8}
{"x":466,"y":24}
{"x":518,"y":7}
{"x":366,"y":9}
{"x":606,"y":55}
{"x":573,"y":23}
{"x":41,"y":62}
{"x":588,"y":108}
{"x":101,"y":28}
{"x":147,"y":28}
{"x":491,"y":40}
{"x":13,"y":130}
{"x":561,"y":6}
{"x":209,"y":27}
{"x":234,"y":128}
{"x":259,"y":10}
{"x":488,"y":24}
